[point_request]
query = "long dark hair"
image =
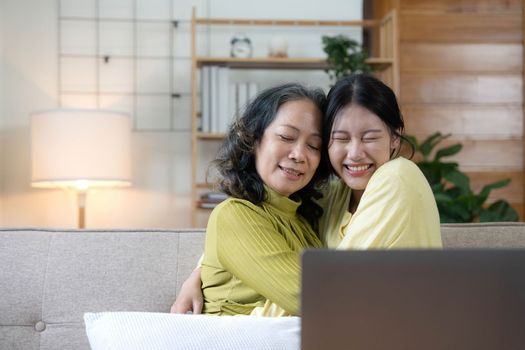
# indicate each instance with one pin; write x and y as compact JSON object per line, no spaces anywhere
{"x":371,"y":93}
{"x":235,"y":163}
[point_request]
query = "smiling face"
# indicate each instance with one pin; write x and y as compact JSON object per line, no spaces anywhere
{"x":360,"y":143}
{"x":289,"y":151}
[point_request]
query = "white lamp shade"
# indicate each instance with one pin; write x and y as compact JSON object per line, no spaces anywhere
{"x":80,"y":148}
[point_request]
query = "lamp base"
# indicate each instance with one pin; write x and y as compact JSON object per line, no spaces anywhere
{"x":81,"y":201}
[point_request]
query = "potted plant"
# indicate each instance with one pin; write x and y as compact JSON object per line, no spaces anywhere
{"x":344,"y":56}
{"x":455,"y":199}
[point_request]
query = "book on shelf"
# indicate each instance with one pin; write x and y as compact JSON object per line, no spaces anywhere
{"x":252,"y":91}
{"x":221,"y":99}
{"x":232,"y":105}
{"x":242,"y":96}
{"x":223,"y":117}
{"x":246,"y":92}
{"x":205,"y":99}
{"x":214,"y":88}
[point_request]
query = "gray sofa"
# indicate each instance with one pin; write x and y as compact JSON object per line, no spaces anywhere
{"x":49,"y":278}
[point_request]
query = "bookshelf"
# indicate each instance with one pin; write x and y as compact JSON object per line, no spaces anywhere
{"x":385,"y":65}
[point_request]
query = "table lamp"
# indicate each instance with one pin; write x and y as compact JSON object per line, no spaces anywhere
{"x":80,"y":149}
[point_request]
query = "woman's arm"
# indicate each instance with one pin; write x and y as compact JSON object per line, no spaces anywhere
{"x":190,"y":295}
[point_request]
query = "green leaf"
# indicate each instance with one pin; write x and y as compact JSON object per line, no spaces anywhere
{"x":498,"y":211}
{"x":437,"y":188}
{"x":430,"y":142}
{"x":446,"y":168}
{"x":485,"y":191}
{"x":456,"y":209}
{"x":448,"y":151}
{"x":442,"y":197}
{"x":454,"y":212}
{"x":460,"y":180}
{"x":454,"y":192}
{"x":446,"y":218}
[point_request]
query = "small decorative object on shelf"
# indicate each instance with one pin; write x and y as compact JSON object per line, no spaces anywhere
{"x":241,"y":46}
{"x":278,"y":47}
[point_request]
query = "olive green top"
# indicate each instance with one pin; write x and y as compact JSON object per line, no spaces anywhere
{"x":252,"y":254}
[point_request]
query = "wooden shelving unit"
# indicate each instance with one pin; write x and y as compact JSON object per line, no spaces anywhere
{"x":386,"y":67}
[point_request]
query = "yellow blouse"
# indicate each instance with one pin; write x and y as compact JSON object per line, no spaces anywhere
{"x":397,"y":210}
{"x":251,"y":254}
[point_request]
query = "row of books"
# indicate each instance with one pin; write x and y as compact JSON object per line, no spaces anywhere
{"x":221,"y":99}
{"x":210,"y":200}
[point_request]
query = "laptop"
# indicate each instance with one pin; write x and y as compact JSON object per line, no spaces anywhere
{"x":417,"y":299}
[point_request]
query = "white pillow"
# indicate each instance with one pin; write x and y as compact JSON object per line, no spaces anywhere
{"x":142,"y":330}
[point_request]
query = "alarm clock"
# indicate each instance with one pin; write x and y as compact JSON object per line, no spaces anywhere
{"x":241,"y":46}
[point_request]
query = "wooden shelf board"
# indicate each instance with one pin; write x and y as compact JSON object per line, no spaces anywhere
{"x":379,"y":63}
{"x":210,"y":135}
{"x":263,"y":62}
{"x":286,"y":22}
{"x":279,"y":63}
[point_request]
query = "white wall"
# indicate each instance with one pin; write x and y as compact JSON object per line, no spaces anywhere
{"x":160,"y":195}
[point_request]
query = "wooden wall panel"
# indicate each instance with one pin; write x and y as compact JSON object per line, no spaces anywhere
{"x":381,"y":7}
{"x":474,"y":121}
{"x":465,"y":88}
{"x":457,"y":28}
{"x":523,"y":90}
{"x":488,"y":155}
{"x":462,"y":6}
{"x":479,"y":57}
{"x":461,"y":72}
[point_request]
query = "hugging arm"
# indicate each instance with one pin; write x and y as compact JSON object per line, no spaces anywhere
{"x":190,"y":298}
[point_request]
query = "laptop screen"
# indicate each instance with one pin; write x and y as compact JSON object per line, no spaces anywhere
{"x":418,"y":299}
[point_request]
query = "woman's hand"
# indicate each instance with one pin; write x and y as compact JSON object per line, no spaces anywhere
{"x":190,"y":298}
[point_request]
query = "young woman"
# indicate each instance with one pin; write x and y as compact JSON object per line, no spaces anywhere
{"x":269,"y":165}
{"x":379,"y":200}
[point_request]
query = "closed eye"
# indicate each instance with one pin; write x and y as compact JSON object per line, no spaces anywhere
{"x":340,"y":136}
{"x":314,"y":147}
{"x":372,"y":135}
{"x":286,"y":138}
